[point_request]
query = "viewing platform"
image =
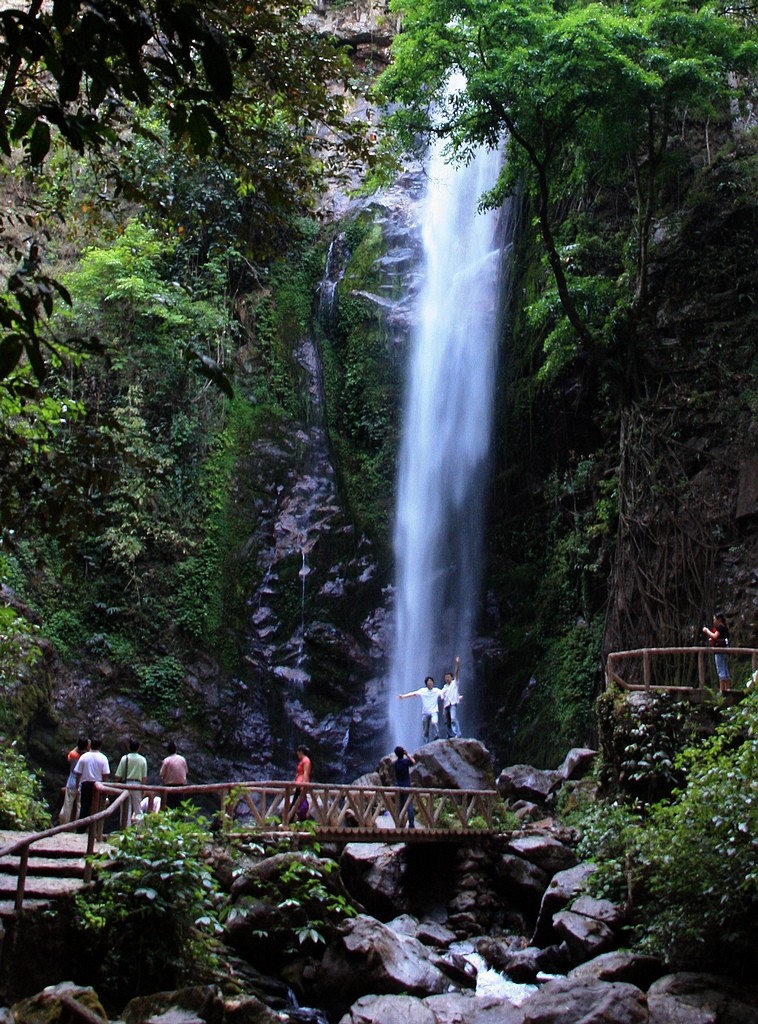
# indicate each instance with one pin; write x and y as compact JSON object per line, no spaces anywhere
{"x":685,"y":670}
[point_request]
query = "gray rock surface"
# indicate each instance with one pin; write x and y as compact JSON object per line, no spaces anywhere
{"x":373,"y":874}
{"x":547,"y":852}
{"x":620,"y":965}
{"x":447,"y":764}
{"x":586,"y":1001}
{"x":563,"y":888}
{"x":369,"y":958}
{"x":585,"y":937}
{"x":690,"y":998}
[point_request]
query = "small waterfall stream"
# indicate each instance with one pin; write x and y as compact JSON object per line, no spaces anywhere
{"x":446,"y":439}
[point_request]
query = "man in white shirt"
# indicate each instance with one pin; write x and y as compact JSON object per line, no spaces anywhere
{"x":91,"y":767}
{"x":430,"y":695}
{"x":451,"y":698}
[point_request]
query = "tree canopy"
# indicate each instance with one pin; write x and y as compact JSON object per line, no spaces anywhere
{"x":242,"y":80}
{"x":586,"y":93}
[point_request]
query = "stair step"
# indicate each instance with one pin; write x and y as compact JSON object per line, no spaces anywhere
{"x":57,"y":867}
{"x":39,"y":887}
{"x":8,"y":907}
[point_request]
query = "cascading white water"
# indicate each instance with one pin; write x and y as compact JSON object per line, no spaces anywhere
{"x":446,"y":435}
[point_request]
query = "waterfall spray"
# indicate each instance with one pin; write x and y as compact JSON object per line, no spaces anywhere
{"x":446,"y":435}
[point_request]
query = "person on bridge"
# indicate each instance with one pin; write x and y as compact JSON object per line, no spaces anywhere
{"x":132,"y":770}
{"x":302,"y":774}
{"x":430,"y":695}
{"x":91,"y":767}
{"x":718,"y":637}
{"x":173,"y":773}
{"x":402,"y":766}
{"x":451,"y":698}
{"x":70,"y":793}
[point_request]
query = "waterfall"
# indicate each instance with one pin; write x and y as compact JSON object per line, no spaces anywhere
{"x":447,"y":427}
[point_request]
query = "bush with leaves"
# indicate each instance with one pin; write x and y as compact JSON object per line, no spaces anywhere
{"x":286,"y":905}
{"x":690,"y":865}
{"x":21,"y":801}
{"x":151,"y":921}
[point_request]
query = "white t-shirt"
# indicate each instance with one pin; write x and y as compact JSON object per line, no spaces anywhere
{"x":429,"y":698}
{"x":450,"y":693}
{"x":92,"y":766}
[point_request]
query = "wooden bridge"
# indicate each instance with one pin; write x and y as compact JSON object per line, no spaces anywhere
{"x":336,"y":813}
{"x":687,"y":666}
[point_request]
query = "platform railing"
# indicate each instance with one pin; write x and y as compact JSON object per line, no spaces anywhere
{"x":645,"y":657}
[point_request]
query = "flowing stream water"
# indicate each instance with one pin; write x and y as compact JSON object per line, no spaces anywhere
{"x":446,"y":438}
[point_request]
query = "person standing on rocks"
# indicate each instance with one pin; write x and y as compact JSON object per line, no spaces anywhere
{"x":173,"y":773}
{"x":132,"y":770}
{"x":91,"y":767}
{"x":451,"y":698}
{"x":430,"y":695}
{"x":70,"y":793}
{"x":718,"y":637}
{"x":402,"y":766}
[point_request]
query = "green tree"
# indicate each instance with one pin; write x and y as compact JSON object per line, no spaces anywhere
{"x":242,"y":79}
{"x":585,"y":93}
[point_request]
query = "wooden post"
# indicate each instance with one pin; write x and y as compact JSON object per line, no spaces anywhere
{"x":23,"y":865}
{"x":701,"y":667}
{"x":646,"y":669}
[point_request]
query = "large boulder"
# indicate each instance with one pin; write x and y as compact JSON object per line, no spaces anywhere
{"x":573,"y":1000}
{"x":547,"y":852}
{"x":524,"y":883}
{"x":450,"y":1008}
{"x":368,"y":957}
{"x":196,"y":1005}
{"x":524,"y":782}
{"x":584,"y":936}
{"x":564,"y":887}
{"x":635,"y":968}
{"x":523,"y":965}
{"x":690,"y":998}
{"x":59,"y":1002}
{"x":576,"y":763}
{"x":373,"y":874}
{"x":447,"y":764}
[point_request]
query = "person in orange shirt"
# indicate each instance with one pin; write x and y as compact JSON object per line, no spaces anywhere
{"x":303,"y":774}
{"x":71,"y":793}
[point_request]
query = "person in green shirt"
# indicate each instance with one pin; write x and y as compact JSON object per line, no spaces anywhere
{"x":132,"y":769}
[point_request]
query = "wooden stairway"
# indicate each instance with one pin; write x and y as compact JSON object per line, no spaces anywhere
{"x":55,"y":868}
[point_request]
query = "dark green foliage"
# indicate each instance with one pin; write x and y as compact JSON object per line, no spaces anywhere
{"x":92,"y":78}
{"x":149,"y":923}
{"x":22,"y":805}
{"x":362,"y":380}
{"x":298,"y":901}
{"x":689,"y":865}
{"x":641,"y":736}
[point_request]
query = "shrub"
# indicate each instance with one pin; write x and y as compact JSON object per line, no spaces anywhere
{"x":21,"y":802}
{"x":691,"y":864}
{"x":150,"y":923}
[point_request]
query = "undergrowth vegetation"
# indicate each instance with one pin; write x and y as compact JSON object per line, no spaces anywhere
{"x":151,"y":921}
{"x":22,"y":805}
{"x":687,"y":866}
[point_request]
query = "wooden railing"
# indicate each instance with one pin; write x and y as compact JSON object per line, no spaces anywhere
{"x":378,"y":813}
{"x":93,"y":823}
{"x":332,"y":808}
{"x":642,"y":661}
